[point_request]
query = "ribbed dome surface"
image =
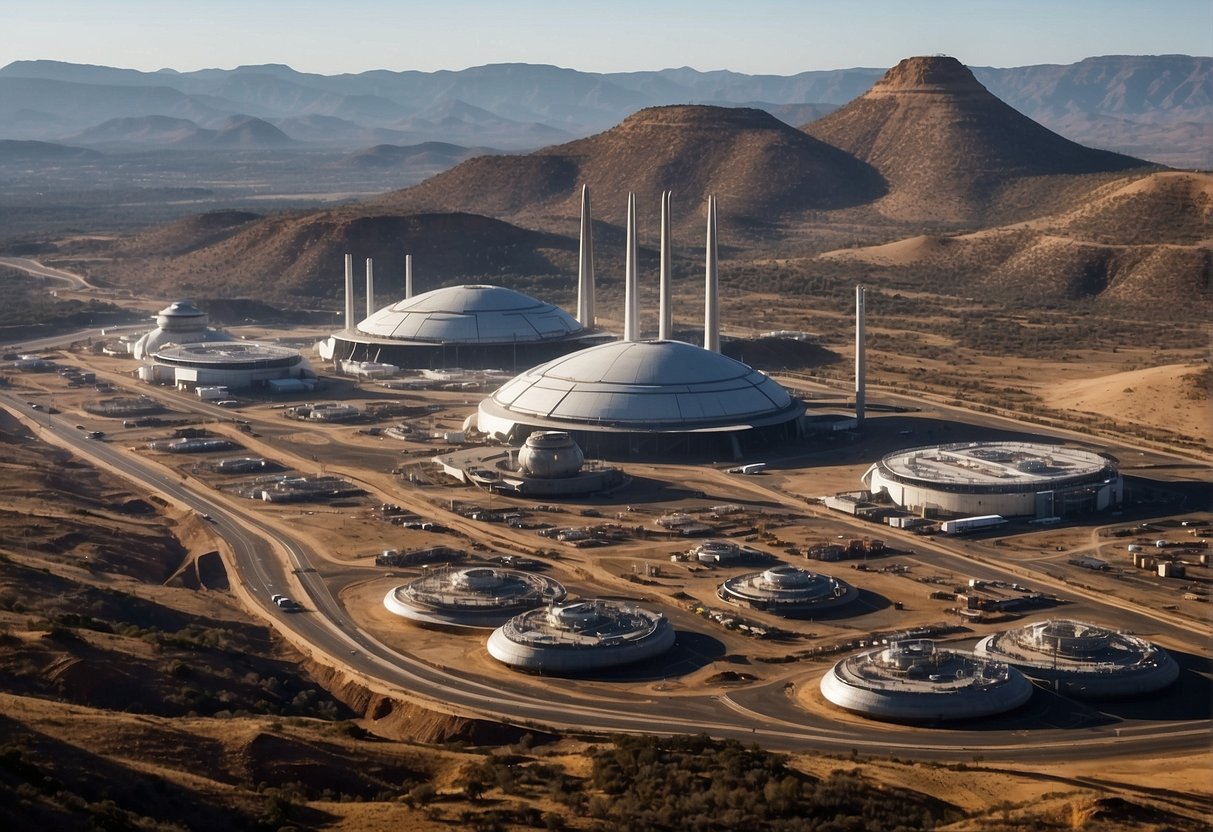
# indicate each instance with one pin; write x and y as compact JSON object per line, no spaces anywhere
{"x":643,"y":383}
{"x":471,"y":315}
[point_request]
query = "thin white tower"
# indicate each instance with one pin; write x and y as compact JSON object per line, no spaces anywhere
{"x":370,"y":287}
{"x":585,"y":265}
{"x":665,"y":311}
{"x":349,"y":292}
{"x":860,"y":368}
{"x":711,"y":290}
{"x":408,"y":276}
{"x":631,"y":300}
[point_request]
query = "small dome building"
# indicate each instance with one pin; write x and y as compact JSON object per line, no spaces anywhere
{"x":550,"y":454}
{"x":471,"y":596}
{"x":788,"y":591}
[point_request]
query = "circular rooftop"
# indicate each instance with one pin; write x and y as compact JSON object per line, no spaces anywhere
{"x":471,"y":315}
{"x":648,"y":385}
{"x":472,"y":596}
{"x":581,"y":637}
{"x":228,"y":354}
{"x":995,"y":467}
{"x":914,"y":681}
{"x":181,"y":314}
{"x":786,"y":590}
{"x":1083,"y":659}
{"x":178,"y":323}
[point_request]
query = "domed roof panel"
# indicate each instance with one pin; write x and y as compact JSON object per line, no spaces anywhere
{"x":471,"y":315}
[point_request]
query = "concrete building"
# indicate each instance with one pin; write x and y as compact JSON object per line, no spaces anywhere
{"x":236,"y":365}
{"x":178,"y":323}
{"x":787,"y":591}
{"x":1081,"y":659}
{"x":915,"y":681}
{"x":474,"y":597}
{"x":1012,"y":479}
{"x":581,"y":637}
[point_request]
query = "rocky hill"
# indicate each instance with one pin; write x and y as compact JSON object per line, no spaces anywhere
{"x":948,"y":148}
{"x":762,"y":170}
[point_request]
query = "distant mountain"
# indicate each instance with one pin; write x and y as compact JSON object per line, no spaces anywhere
{"x":1158,"y":107}
{"x":29,"y":151}
{"x":762,"y":169}
{"x":243,"y":132}
{"x":948,"y":147}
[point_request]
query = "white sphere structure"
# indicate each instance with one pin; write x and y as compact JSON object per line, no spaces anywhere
{"x":471,"y":596}
{"x":1081,"y":659}
{"x":1013,"y":479}
{"x":178,"y":323}
{"x":914,"y":681}
{"x":656,"y":398}
{"x":786,"y":590}
{"x":581,"y":637}
{"x":550,"y":454}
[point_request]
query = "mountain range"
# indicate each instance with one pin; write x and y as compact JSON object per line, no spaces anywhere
{"x":1155,"y":107}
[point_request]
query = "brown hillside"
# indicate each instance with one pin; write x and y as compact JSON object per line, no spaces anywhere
{"x":759,"y":167}
{"x":290,"y":257}
{"x":1165,"y":207}
{"x":947,"y":146}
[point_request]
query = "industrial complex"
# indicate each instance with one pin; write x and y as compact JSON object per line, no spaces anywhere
{"x":1010,"y":479}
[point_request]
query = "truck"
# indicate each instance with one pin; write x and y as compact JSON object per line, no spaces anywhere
{"x":751,"y":468}
{"x":964,"y":525}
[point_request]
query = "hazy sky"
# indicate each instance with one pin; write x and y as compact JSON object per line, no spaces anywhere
{"x":753,"y":36}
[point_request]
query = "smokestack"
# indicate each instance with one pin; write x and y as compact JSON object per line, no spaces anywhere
{"x":408,"y":276}
{"x":860,"y":369}
{"x":585,"y":265}
{"x":370,"y":287}
{"x":631,"y":300}
{"x":349,"y":292}
{"x":665,"y":328}
{"x":711,"y":290}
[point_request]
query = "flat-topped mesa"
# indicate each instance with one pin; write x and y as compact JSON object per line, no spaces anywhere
{"x":938,"y":74}
{"x":705,"y":116}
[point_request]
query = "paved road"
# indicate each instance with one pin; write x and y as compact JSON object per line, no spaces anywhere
{"x":73,"y":281}
{"x":1049,"y":729}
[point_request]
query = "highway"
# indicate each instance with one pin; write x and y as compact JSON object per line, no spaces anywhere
{"x":266,"y":560}
{"x":73,"y":281}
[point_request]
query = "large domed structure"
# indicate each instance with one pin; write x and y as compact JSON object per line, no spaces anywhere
{"x":178,"y":323}
{"x":649,"y":397}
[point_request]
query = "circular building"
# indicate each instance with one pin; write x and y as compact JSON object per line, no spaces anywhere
{"x":1012,"y":479}
{"x":581,"y":637}
{"x":914,"y":681}
{"x":550,"y":454}
{"x":1082,"y":659}
{"x":462,"y":326}
{"x":236,"y":364}
{"x":178,"y":323}
{"x":472,"y":596}
{"x":659,"y":399}
{"x":786,"y":590}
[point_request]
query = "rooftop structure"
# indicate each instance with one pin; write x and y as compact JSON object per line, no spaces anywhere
{"x":581,"y":637}
{"x":1007,"y":478}
{"x":914,"y":681}
{"x":1082,"y":659}
{"x":178,"y":323}
{"x":472,"y":596}
{"x":786,"y":590}
{"x":234,"y":364}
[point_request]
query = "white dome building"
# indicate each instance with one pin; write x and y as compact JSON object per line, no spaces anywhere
{"x":1081,"y":659}
{"x":581,"y":637}
{"x":178,"y":323}
{"x":471,"y":596}
{"x":550,"y":454}
{"x":787,"y":591}
{"x":914,"y":681}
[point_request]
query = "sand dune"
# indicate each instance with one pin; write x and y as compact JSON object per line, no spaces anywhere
{"x":1164,"y":397}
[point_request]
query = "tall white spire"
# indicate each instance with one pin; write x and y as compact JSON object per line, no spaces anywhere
{"x":408,"y":276}
{"x":711,"y":290}
{"x":631,"y":299}
{"x":585,"y":265}
{"x":665,"y":310}
{"x":860,"y":358}
{"x":370,"y":287}
{"x":349,"y":292}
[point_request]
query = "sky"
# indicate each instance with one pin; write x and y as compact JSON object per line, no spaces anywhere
{"x":779,"y":37}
